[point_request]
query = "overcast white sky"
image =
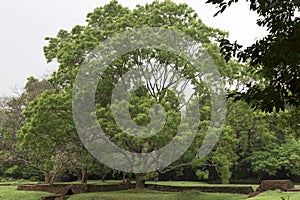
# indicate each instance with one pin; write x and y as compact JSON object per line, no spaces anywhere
{"x":25,"y":24}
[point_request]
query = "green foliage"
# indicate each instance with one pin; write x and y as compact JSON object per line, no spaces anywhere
{"x":13,"y":171}
{"x":202,"y":174}
{"x":48,"y":131}
{"x":289,"y":121}
{"x":71,"y":48}
{"x":46,"y":121}
{"x":289,"y":156}
{"x":266,"y":142}
{"x":23,"y":172}
{"x":277,"y":154}
{"x":275,"y":57}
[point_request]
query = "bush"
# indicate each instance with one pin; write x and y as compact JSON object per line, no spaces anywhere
{"x":22,"y":172}
{"x":32,"y":174}
{"x":13,"y":172}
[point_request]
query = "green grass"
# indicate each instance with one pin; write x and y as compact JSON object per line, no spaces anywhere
{"x":17,"y":182}
{"x":154,"y":195}
{"x":178,"y":183}
{"x":11,"y":193}
{"x":23,"y":182}
{"x":191,"y":183}
{"x":187,"y":195}
{"x":277,"y":195}
{"x":96,"y":182}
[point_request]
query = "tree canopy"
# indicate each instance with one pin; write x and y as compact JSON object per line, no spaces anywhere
{"x":275,"y":57}
{"x":71,"y":49}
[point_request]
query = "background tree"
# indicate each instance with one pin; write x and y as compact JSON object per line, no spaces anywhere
{"x":12,"y":119}
{"x":262,"y":140}
{"x":49,"y":137}
{"x":275,"y":57}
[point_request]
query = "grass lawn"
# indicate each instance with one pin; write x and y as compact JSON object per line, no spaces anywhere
{"x":11,"y":193}
{"x":17,"y":182}
{"x":277,"y":195}
{"x":191,"y":183}
{"x":24,"y":182}
{"x":154,"y":195}
{"x":96,"y":182}
{"x":188,"y":195}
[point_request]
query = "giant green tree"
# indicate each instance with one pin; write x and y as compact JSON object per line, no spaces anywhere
{"x":72,"y":49}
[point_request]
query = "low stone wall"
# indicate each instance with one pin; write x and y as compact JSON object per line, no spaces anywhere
{"x":218,"y":189}
{"x":107,"y":188}
{"x":69,"y":189}
{"x":64,"y":189}
{"x":283,"y":185}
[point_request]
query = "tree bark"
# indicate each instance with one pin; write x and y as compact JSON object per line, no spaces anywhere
{"x":47,"y":177}
{"x":53,"y":178}
{"x":123,"y":177}
{"x":140,"y":180}
{"x":103,"y":177}
{"x":78,"y":172}
{"x":83,"y":175}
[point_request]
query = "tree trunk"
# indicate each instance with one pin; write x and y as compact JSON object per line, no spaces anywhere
{"x":103,"y":177}
{"x":83,"y":175}
{"x":53,"y":178}
{"x":78,"y":172}
{"x":47,"y":177}
{"x":140,"y":180}
{"x":123,"y":177}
